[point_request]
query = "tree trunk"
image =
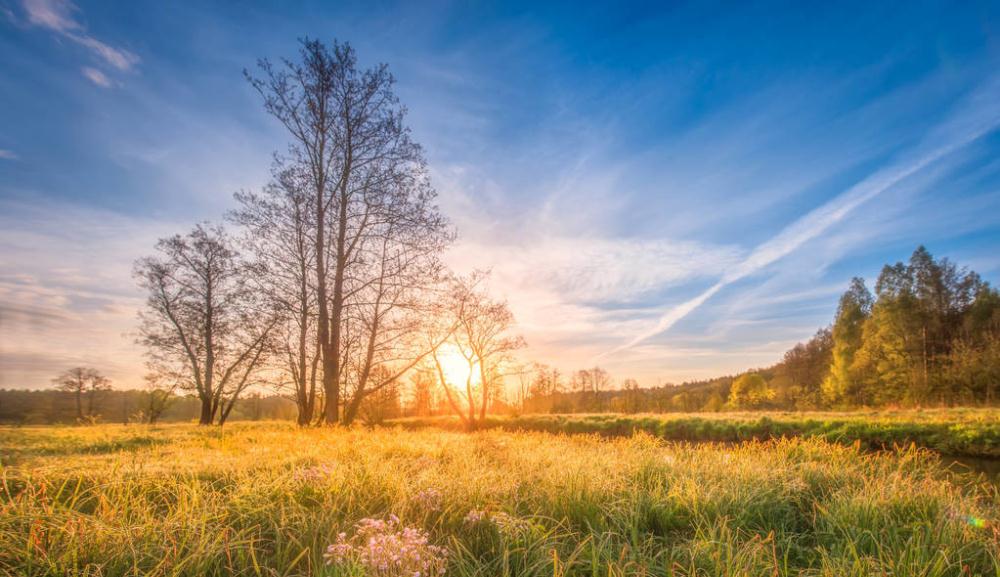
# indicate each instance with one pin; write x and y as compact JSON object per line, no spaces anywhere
{"x":206,"y":412}
{"x":331,"y":361}
{"x":79,"y":405}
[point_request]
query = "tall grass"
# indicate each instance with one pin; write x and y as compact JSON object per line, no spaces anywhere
{"x":958,"y":432}
{"x":268,"y":499}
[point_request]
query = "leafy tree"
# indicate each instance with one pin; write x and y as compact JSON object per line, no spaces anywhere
{"x":749,"y":391}
{"x":839,"y":386}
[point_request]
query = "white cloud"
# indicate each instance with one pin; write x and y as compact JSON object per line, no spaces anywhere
{"x":96,"y":76}
{"x":56,"y":15}
{"x":8,"y":154}
{"x":59,"y":16}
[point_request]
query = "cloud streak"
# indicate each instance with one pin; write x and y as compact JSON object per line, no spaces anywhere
{"x":59,"y":16}
{"x":978,"y":115}
{"x":96,"y":76}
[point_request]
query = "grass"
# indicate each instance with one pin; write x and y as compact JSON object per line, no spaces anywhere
{"x":957,"y":432}
{"x":267,"y":499}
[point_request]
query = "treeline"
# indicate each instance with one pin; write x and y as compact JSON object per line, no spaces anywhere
{"x":47,"y":407}
{"x":929,"y":335}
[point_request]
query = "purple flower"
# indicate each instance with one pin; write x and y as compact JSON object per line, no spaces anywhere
{"x":386,"y":548}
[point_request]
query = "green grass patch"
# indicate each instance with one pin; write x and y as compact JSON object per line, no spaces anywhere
{"x":956,"y":432}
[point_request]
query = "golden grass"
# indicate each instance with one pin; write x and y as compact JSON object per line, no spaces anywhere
{"x":267,"y":499}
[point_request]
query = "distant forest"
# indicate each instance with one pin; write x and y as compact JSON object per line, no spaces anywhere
{"x":929,"y":335}
{"x":21,"y":407}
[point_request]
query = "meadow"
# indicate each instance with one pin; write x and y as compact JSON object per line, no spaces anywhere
{"x":960,"y":432}
{"x":270,"y":499}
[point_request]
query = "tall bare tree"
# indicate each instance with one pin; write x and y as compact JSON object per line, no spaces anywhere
{"x":368,"y":186}
{"x":204,"y":326}
{"x":82,"y":382}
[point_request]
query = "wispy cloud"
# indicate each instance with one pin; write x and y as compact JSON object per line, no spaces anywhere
{"x":975,"y":117}
{"x":67,"y":294}
{"x":60,"y":16}
{"x":96,"y":76}
{"x":8,"y":154}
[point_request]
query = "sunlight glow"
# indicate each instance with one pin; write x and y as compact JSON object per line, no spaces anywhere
{"x":456,"y":369}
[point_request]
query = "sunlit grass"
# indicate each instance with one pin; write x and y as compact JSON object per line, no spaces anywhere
{"x":268,"y":499}
{"x":960,"y":432}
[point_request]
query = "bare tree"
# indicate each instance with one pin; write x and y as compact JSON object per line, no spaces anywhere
{"x":82,"y":382}
{"x":589,"y":383}
{"x":280,"y":225}
{"x":481,"y":337}
{"x":203,"y":325}
{"x":368,"y":186}
{"x":159,"y":397}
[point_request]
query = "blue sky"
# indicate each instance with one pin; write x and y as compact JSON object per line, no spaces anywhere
{"x":673,"y":192}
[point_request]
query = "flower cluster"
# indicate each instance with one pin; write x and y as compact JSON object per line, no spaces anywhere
{"x":385,"y":548}
{"x":428,"y":499}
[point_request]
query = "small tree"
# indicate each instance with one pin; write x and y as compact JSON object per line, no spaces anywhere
{"x":479,"y":332}
{"x":203,"y":325}
{"x":81,"y":382}
{"x":159,"y":397}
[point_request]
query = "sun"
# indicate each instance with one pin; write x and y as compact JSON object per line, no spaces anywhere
{"x":454,"y":366}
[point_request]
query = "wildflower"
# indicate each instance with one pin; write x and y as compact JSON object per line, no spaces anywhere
{"x":386,"y":548}
{"x":476,"y":516}
{"x":428,"y":499}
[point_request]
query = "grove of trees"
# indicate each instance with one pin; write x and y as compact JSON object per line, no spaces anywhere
{"x":334,"y":290}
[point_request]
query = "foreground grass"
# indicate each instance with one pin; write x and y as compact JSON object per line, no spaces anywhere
{"x":957,"y":432}
{"x":267,"y":500}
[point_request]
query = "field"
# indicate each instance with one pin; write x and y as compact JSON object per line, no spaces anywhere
{"x":955,"y":432}
{"x":268,"y":499}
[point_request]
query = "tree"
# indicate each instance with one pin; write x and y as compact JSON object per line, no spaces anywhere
{"x":159,"y":396}
{"x":589,"y":383}
{"x":82,"y":382}
{"x":204,"y":326}
{"x":855,"y":307}
{"x":368,"y":186}
{"x":633,"y":396}
{"x":479,"y":333}
{"x":280,"y":225}
{"x":546,"y":382}
{"x":422,"y":382}
{"x":917,"y":318}
{"x":749,"y":391}
{"x":799,"y":377}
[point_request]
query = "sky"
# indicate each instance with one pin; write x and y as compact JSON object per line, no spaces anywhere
{"x":670,"y":191}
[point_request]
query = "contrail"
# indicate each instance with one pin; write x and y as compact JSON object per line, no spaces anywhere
{"x":977,"y":115}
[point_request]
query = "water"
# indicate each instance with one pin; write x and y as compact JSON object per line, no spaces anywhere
{"x":989,"y":469}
